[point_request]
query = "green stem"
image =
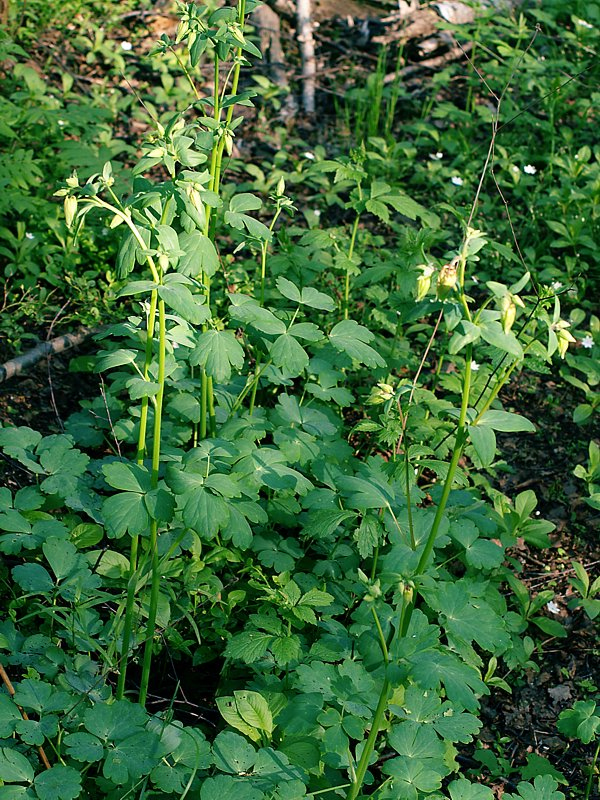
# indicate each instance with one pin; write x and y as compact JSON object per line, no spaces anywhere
{"x":133,"y":552}
{"x":350,"y":254}
{"x":461,"y":436}
{"x":363,"y":764}
{"x":588,"y":787}
{"x":153,"y":542}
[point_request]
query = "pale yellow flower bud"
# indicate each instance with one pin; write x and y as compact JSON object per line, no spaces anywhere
{"x":70,"y":206}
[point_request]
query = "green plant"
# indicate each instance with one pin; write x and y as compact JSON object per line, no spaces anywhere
{"x":581,"y":722}
{"x":222,"y":503}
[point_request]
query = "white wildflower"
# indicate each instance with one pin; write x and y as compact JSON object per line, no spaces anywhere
{"x":587,"y":342}
{"x":309,"y":155}
{"x":316,"y":212}
{"x":127,"y":46}
{"x":29,"y":235}
{"x":552,"y":607}
{"x":61,"y":123}
{"x":436,"y":156}
{"x":514,"y":168}
{"x":556,"y":285}
{"x":456,"y":180}
{"x":474,"y":366}
{"x":529,"y":169}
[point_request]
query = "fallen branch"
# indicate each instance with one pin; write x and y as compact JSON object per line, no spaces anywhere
{"x":16,"y":365}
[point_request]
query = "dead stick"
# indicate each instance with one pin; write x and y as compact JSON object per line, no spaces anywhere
{"x":11,"y":691}
{"x":16,"y":365}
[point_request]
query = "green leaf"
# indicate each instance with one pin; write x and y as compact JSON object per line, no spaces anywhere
{"x":466,"y":333}
{"x":116,"y":358}
{"x":368,"y":535}
{"x":550,"y":626}
{"x":580,"y":722}
{"x":191,"y":307}
{"x":127,"y":477}
{"x":14,"y":766}
{"x":205,"y":512}
{"x":9,"y":716}
{"x":463,"y":789}
{"x":226,"y":787}
{"x":494,"y":334}
{"x":58,"y":783}
{"x":308,"y":296}
{"x":62,"y":556}
{"x":200,"y":255}
{"x":254,"y":710}
{"x":506,"y":422}
{"x":233,"y":754}
{"x":33,"y":578}
{"x":248,"y":646}
{"x":483,"y":440}
{"x":323,"y":522}
{"x":229,"y":711}
{"x":544,"y":788}
{"x":289,"y":355}
{"x":351,"y":338}
{"x":125,"y":511}
{"x":84,"y":747}
{"x":218,"y":352}
{"x":249,"y":312}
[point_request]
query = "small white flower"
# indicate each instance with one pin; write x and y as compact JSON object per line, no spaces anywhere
{"x":61,"y":123}
{"x":474,"y":366}
{"x":126,"y":46}
{"x":316,"y":212}
{"x":436,"y":156}
{"x":29,"y":235}
{"x":556,"y":285}
{"x":456,"y":180}
{"x":587,"y":342}
{"x":309,"y":155}
{"x":529,"y":169}
{"x":514,"y":168}
{"x":552,"y":607}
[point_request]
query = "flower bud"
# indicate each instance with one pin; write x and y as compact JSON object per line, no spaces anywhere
{"x":70,"y":206}
{"x":424,"y":280}
{"x":564,"y":338}
{"x":508,"y":310}
{"x":163,"y":261}
{"x":447,"y":278}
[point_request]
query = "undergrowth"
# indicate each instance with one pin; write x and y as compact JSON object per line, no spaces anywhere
{"x":284,"y":482}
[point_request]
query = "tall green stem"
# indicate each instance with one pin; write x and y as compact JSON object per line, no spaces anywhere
{"x":459,"y":443}
{"x":153,"y":541}
{"x":363,"y":764}
{"x":350,"y":254}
